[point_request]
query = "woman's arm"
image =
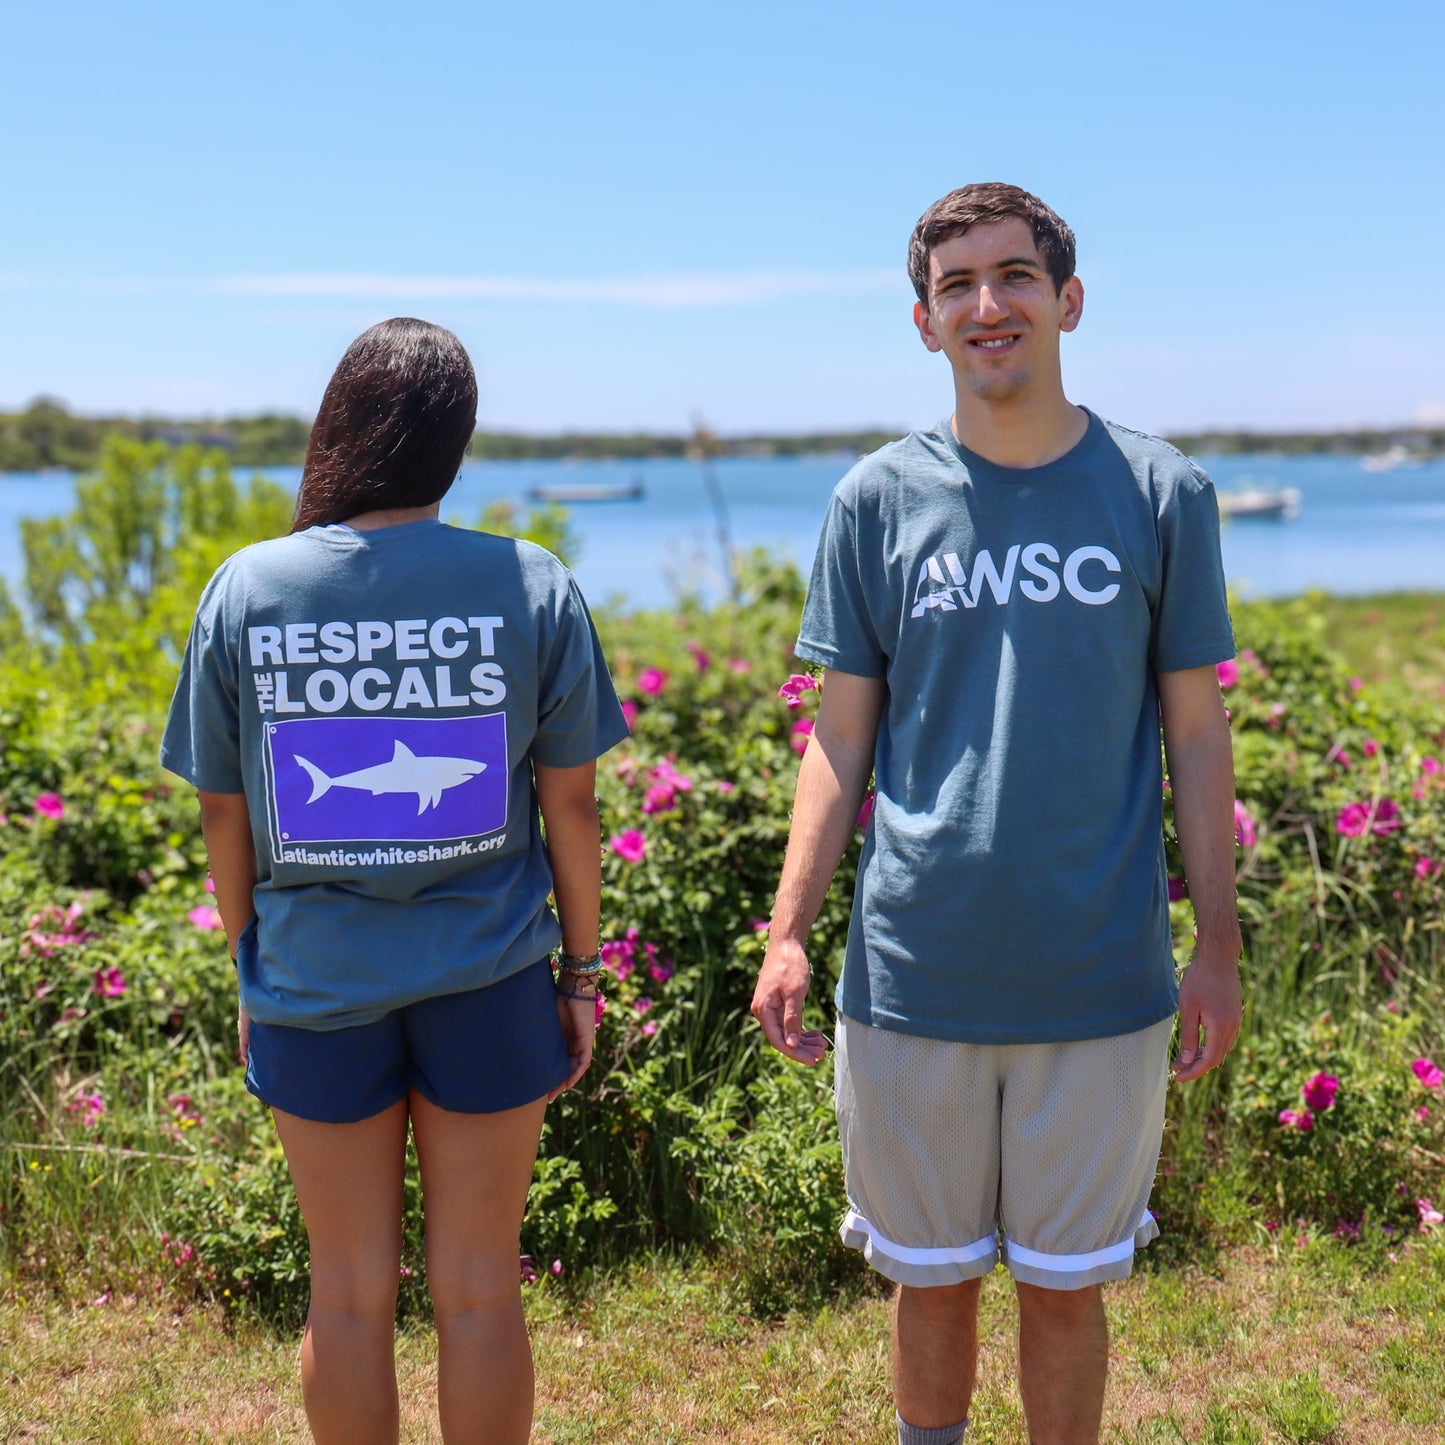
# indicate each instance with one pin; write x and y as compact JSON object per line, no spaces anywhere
{"x":567,"y":799}
{"x":226,"y":827}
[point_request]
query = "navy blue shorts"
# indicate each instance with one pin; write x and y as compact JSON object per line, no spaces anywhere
{"x":478,"y":1052}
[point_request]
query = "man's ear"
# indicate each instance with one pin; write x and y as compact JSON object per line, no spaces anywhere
{"x":1073,"y":298}
{"x":924,"y":322}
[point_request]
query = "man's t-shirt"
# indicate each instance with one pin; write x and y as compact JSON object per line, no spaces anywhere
{"x":379,"y":697}
{"x":1012,"y":886}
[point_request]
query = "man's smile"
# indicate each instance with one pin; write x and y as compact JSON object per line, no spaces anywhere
{"x":992,"y":343}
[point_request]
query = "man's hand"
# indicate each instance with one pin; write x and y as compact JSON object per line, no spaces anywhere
{"x":1209,"y":1000}
{"x":778,"y":1002}
{"x":243,"y":1037}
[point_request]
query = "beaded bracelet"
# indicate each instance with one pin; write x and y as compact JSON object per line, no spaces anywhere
{"x":581,"y":967}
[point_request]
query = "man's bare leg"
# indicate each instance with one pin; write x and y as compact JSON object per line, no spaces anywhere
{"x":1063,"y":1363}
{"x":935,"y":1352}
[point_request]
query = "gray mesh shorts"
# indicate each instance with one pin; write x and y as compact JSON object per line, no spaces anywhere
{"x":958,"y":1154}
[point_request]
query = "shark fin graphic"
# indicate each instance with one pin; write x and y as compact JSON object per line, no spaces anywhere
{"x":402,"y":753}
{"x":320,"y":783}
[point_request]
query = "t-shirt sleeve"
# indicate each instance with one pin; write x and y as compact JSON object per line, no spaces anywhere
{"x":837,"y":630}
{"x":202,"y":739}
{"x":578,"y":715}
{"x":1191,"y":620}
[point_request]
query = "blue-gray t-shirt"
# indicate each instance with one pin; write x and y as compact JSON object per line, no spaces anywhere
{"x":380,"y":698}
{"x":1012,"y":885}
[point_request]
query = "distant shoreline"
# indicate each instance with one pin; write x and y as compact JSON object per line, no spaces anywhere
{"x":45,"y":437}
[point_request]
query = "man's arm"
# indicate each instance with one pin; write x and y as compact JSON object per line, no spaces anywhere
{"x":831,"y":782}
{"x":1201,"y":779}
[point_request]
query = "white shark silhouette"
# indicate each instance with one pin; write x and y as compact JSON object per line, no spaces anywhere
{"x":428,"y":778}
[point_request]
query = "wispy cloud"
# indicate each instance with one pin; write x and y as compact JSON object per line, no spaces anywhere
{"x":654,"y":291}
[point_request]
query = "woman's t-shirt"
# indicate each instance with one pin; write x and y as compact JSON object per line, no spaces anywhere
{"x":380,"y":697}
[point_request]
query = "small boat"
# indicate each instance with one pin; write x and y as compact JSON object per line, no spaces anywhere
{"x":570,"y":492}
{"x":1390,"y":459}
{"x":1269,"y":504}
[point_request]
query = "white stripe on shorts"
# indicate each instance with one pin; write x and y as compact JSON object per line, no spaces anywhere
{"x":1076,"y":1263}
{"x":911,"y":1254}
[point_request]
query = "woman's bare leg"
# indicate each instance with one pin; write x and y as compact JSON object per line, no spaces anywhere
{"x":475,"y":1171}
{"x":348,"y":1180}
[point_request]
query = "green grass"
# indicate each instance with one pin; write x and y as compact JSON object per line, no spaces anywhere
{"x":1393,"y":638}
{"x":1303,"y":1346}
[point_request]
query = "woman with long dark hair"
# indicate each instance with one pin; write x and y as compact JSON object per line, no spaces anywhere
{"x":393,"y":726}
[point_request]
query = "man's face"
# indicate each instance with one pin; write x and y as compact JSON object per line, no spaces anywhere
{"x":993,"y":312}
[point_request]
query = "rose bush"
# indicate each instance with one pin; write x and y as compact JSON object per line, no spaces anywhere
{"x":117,"y":999}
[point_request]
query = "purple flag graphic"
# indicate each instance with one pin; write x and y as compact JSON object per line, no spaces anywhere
{"x":388,"y":779}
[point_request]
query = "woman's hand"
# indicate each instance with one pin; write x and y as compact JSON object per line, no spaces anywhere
{"x":579,"y":1029}
{"x":243,"y":1036}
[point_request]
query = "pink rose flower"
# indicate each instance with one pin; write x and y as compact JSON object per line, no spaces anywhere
{"x":793,"y":689}
{"x":1319,"y":1091}
{"x":1429,"y":1215}
{"x":865,"y":813}
{"x":667,"y":771}
{"x":652,"y":680}
{"x":1353,"y":820}
{"x":1430,"y":766}
{"x":1177,"y":890}
{"x":739,"y":665}
{"x":659,"y":798}
{"x":1428,"y":1072}
{"x":1424,"y":866}
{"x":1300,"y":1119}
{"x":1370,"y":748}
{"x":205,"y":917}
{"x":643,"y":1005}
{"x":88,"y":1106}
{"x":802,"y":730}
{"x":629,"y":713}
{"x":725,"y":787}
{"x":1387,"y":817}
{"x":109,"y":982}
{"x":1244,"y":828}
{"x":1228,"y":673}
{"x":50,"y":805}
{"x":630,"y":846}
{"x":700,"y":656}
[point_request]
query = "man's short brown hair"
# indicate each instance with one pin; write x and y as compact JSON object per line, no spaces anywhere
{"x":983,"y":204}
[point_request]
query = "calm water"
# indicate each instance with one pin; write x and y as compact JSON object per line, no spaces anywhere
{"x":1356,"y":531}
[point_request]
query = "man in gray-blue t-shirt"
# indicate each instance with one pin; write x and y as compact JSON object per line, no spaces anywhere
{"x":1008,"y":607}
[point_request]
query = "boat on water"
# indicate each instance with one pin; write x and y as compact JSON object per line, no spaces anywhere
{"x":1391,"y":459}
{"x":1268,"y":504}
{"x":569,"y":492}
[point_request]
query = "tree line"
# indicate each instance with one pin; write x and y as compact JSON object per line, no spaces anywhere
{"x":46,"y":435}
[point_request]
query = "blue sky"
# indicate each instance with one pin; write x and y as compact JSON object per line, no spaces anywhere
{"x":634,"y":213}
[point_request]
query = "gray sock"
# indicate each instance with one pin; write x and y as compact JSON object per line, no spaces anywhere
{"x":939,"y":1435}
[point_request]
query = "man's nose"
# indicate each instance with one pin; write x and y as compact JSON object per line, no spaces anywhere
{"x":989,"y":307}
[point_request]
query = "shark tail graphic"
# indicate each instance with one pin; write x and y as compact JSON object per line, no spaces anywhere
{"x":320,"y":783}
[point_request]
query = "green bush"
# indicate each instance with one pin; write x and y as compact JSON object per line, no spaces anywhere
{"x":130,"y":1154}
